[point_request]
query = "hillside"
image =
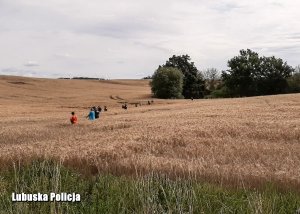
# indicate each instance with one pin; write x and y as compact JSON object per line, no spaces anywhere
{"x":64,"y":92}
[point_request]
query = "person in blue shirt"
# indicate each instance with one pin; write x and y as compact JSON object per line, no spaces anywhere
{"x":91,"y":115}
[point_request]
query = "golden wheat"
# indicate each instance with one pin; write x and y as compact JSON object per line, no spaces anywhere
{"x":249,"y":140}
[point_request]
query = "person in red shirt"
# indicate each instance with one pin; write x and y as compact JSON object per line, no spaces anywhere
{"x":73,"y":119}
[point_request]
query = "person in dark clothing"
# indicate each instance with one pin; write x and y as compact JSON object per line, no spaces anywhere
{"x":124,"y":106}
{"x":97,"y":113}
{"x":105,"y":108}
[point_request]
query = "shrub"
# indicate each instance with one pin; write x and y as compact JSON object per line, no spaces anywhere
{"x":167,"y":82}
{"x":220,"y":93}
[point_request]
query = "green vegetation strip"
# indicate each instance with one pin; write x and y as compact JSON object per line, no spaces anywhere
{"x":150,"y":194}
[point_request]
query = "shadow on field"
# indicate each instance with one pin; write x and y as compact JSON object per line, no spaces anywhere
{"x":19,"y":83}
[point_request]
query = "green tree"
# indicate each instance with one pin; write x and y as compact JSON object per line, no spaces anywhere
{"x":251,"y":75}
{"x":294,"y":81}
{"x":297,"y":69}
{"x":193,"y":83}
{"x":167,"y":82}
{"x":239,"y":78}
{"x":272,"y":76}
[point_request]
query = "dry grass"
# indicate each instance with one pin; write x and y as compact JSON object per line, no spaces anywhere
{"x":247,"y":140}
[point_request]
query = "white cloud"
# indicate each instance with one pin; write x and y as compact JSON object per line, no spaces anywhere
{"x":19,"y":72}
{"x":31,"y":63}
{"x":142,"y":74}
{"x":120,"y":39}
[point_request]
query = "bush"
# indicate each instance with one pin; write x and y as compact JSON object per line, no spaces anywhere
{"x":167,"y":82}
{"x":220,"y":93}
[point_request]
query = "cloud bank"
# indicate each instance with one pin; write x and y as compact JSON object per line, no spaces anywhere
{"x":120,"y":39}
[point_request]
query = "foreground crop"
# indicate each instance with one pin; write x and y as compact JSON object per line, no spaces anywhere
{"x":151,"y":193}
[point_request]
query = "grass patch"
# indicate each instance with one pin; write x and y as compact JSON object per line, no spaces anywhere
{"x":153,"y":193}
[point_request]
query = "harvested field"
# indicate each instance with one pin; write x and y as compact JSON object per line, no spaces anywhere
{"x":245,"y":141}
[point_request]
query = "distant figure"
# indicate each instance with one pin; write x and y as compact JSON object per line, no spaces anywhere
{"x":97,"y":112}
{"x":192,"y":98}
{"x":136,"y":105}
{"x":91,"y":115}
{"x":124,"y":106}
{"x":73,"y":118}
{"x":105,"y":108}
{"x":149,"y":102}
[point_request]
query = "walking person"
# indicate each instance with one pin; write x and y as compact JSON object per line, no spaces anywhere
{"x":124,"y":106}
{"x":73,"y":118}
{"x":97,"y":112}
{"x":91,"y":115}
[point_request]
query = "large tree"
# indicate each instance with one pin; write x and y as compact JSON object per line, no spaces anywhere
{"x":272,"y":76}
{"x":249,"y":74}
{"x":193,"y":83}
{"x":167,"y":83}
{"x":239,"y":78}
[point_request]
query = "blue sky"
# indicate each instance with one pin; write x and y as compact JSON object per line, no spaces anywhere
{"x":130,"y":38}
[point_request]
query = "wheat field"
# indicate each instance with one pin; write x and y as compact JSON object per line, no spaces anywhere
{"x":244,"y":141}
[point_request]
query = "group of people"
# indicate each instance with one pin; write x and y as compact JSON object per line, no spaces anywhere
{"x":124,"y":106}
{"x":93,"y":114}
{"x":96,"y":111}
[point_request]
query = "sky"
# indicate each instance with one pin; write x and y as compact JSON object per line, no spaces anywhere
{"x":129,"y":39}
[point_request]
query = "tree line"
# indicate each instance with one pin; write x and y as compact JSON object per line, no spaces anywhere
{"x":248,"y":74}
